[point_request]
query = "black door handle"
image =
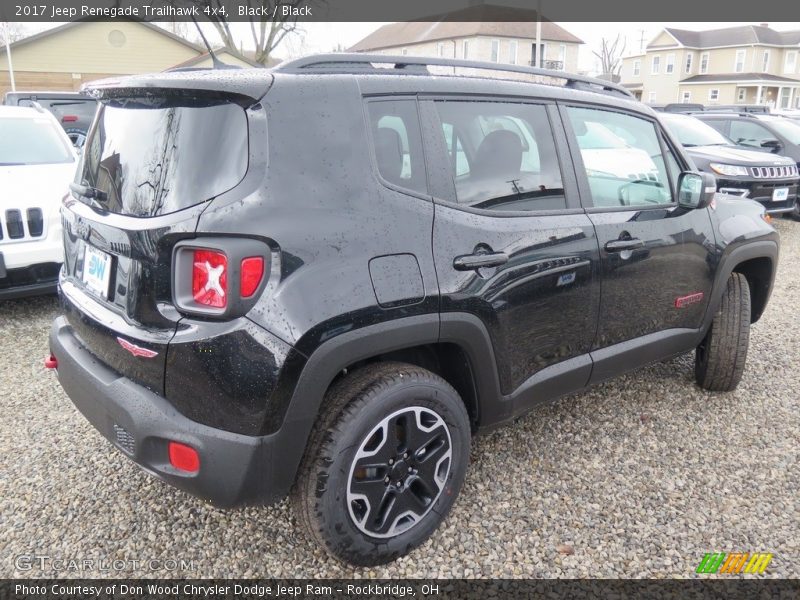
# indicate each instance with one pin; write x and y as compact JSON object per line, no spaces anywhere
{"x":470,"y":262}
{"x":620,"y":245}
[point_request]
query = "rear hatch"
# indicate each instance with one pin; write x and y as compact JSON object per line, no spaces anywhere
{"x":158,"y":150}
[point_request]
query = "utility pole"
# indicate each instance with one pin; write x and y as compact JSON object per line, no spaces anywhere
{"x":8,"y":56}
{"x":537,"y":53}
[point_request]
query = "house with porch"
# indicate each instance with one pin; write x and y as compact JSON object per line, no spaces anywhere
{"x":752,"y":64}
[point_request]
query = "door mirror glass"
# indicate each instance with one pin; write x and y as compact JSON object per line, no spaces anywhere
{"x":695,"y":190}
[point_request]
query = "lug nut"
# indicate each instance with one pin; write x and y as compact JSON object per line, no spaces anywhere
{"x":386,"y":480}
{"x":405,"y":455}
{"x":409,"y":469}
{"x":391,"y":461}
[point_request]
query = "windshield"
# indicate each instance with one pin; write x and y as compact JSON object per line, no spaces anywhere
{"x":156,"y":160}
{"x":787,"y":128}
{"x":32,"y":141}
{"x":693,"y":132}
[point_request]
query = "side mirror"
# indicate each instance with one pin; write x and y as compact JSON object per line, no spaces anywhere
{"x":695,"y":190}
{"x":774,"y":145}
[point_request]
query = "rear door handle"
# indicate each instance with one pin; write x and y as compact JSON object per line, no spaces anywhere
{"x":471,"y":262}
{"x":620,"y":245}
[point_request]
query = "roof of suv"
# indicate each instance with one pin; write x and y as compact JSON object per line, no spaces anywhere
{"x":405,"y":75}
{"x":21,"y":111}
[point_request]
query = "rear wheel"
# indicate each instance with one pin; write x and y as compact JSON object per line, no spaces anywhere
{"x":384,"y":464}
{"x":721,"y":356}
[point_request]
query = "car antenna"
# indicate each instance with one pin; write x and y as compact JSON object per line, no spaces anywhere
{"x":217,"y":63}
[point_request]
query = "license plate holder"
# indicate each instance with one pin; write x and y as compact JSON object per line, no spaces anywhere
{"x":96,"y":270}
{"x":780,"y":194}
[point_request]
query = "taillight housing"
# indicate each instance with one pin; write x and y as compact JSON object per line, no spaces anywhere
{"x":219,"y":277}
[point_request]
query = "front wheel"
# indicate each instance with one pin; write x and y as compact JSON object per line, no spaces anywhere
{"x":384,"y":464}
{"x":720,"y":357}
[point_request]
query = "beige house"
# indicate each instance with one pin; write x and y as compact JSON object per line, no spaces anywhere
{"x":65,"y":57}
{"x":512,"y":42}
{"x":737,"y":65}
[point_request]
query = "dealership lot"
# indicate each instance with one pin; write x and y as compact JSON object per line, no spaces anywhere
{"x":640,"y":476}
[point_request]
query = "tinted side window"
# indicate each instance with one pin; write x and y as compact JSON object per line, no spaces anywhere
{"x":622,"y":157}
{"x":398,"y":143}
{"x":749,"y":133}
{"x":502,"y":155}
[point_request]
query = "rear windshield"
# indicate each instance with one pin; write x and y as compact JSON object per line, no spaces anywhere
{"x":157,"y":160}
{"x":34,"y":141}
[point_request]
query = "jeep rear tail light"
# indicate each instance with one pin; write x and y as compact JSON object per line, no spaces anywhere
{"x":219,"y":277}
{"x":210,"y":278}
{"x":251,"y":273}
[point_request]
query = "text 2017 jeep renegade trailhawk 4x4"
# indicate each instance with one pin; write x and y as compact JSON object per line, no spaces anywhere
{"x":325,"y":277}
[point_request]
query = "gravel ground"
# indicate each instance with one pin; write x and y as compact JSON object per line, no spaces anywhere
{"x":638,"y":477}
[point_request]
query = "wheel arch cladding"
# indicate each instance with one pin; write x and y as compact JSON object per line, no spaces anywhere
{"x":759,"y":273}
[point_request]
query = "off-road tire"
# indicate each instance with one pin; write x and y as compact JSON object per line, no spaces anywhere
{"x":721,"y":356}
{"x":352,"y":408}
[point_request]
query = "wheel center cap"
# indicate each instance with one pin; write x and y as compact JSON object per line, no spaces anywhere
{"x":399,"y":470}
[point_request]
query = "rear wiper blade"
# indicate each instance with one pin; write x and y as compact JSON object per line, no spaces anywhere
{"x":88,"y":192}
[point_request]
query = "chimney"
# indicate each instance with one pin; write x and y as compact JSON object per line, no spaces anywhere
{"x":764,"y":24}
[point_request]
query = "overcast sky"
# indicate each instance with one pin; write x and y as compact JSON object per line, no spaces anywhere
{"x":325,"y":37}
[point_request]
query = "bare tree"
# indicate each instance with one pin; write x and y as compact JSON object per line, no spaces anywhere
{"x":13,"y":31}
{"x":610,"y":55}
{"x":267,"y":32}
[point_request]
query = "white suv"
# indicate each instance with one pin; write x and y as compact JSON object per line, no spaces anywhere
{"x":37,"y":163}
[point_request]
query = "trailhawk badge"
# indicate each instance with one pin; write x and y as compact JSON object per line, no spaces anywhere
{"x":136,"y":350}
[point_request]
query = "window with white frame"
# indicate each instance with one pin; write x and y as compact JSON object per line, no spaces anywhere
{"x":440,"y":49}
{"x":790,"y":64}
{"x":495,"y":55}
{"x":637,"y":68}
{"x":512,"y":52}
{"x":765,"y":63}
{"x":651,"y":97}
{"x":670,"y":65}
{"x":738,"y":65}
{"x":686,"y":97}
{"x":562,"y":56}
{"x":704,"y":59}
{"x":713,"y":95}
{"x":689,"y":60}
{"x":655,"y":65}
{"x":741,"y":94}
{"x":465,"y":49}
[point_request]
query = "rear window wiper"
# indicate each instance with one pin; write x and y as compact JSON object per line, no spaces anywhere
{"x":88,"y":192}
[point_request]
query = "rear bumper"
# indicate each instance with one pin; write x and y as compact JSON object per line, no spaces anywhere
{"x":234,"y":468}
{"x":28,"y":281}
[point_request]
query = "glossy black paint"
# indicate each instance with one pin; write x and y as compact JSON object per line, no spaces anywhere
{"x":361,"y":269}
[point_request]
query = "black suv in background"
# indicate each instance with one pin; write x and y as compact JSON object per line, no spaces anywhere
{"x":73,"y":110}
{"x":769,"y":179}
{"x":767,"y":133}
{"x":326,"y":277}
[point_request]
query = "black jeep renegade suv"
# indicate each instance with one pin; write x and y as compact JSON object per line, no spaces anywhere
{"x":325,"y":278}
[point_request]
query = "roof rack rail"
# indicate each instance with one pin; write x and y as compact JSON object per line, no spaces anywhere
{"x":410,"y":65}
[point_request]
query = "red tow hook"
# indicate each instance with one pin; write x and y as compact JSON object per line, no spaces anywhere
{"x":51,"y":363}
